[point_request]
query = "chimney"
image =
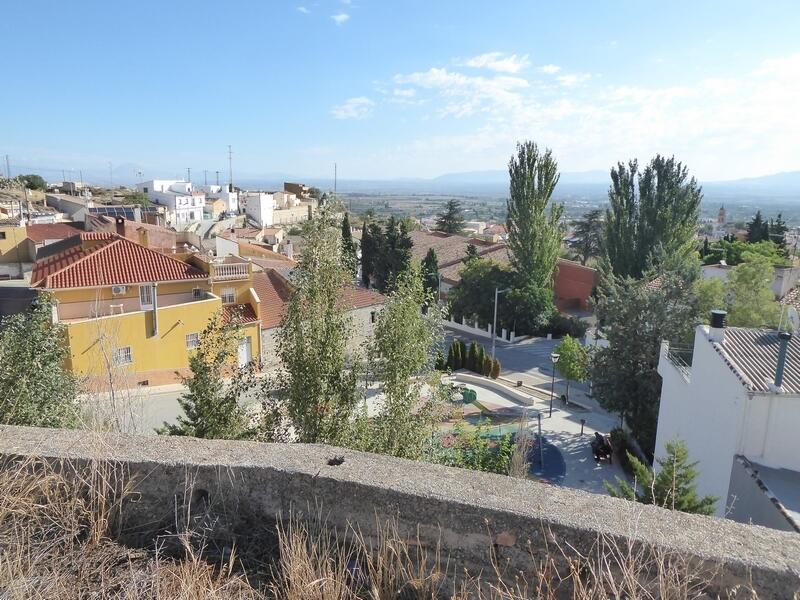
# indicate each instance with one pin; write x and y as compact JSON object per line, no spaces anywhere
{"x":716,"y":333}
{"x":120,"y":226}
{"x":784,"y":337}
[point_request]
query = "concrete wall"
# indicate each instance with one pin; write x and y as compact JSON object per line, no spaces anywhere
{"x":473,"y":515}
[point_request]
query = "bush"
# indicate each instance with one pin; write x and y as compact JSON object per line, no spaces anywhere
{"x":472,"y":357}
{"x":495,"y":373}
{"x":561,"y":325}
{"x":621,"y":443}
{"x":458,"y":360}
{"x":487,"y":366}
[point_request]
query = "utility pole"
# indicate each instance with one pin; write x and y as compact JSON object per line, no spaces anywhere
{"x":111,"y":178}
{"x":205,"y":177}
{"x":80,"y":172}
{"x":63,"y":175}
{"x":217,"y":172}
{"x":188,"y":174}
{"x":8,"y":168}
{"x":230,"y":169}
{"x":334,"y":180}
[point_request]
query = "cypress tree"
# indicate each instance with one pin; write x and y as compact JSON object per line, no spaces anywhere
{"x":349,"y":256}
{"x":472,"y":358}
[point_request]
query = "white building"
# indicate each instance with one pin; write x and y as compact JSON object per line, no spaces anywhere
{"x":223,"y":192}
{"x":183,"y":204}
{"x":285,"y":199}
{"x":785,"y":278}
{"x":260,"y":206}
{"x":737,"y":407}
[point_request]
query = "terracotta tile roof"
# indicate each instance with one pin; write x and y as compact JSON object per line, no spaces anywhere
{"x":358,"y":297}
{"x":116,"y":261}
{"x":274,"y":291}
{"x":449,"y":249}
{"x":239,"y":314}
{"x":51,"y":231}
{"x":752,"y":354}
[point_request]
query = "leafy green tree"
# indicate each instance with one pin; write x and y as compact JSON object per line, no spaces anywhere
{"x":528,"y":309}
{"x":587,"y":235}
{"x":349,"y":256}
{"x":474,"y":296}
{"x":752,"y":302}
{"x":573,"y":360}
{"x":656,"y":208}
{"x":403,"y":353}
{"x":211,"y":406}
{"x":635,"y":318}
{"x":534,"y":235}
{"x":33,"y":182}
{"x":315,"y":193}
{"x":451,"y":219}
{"x":757,"y":229}
{"x":139,"y":198}
{"x":319,"y":387}
{"x":35,"y":388}
{"x":673,"y":486}
{"x":710,"y":294}
{"x":430,"y":273}
{"x":733,"y":252}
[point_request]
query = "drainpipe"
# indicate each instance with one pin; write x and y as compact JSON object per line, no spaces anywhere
{"x":154,"y":287}
{"x":784,"y":337}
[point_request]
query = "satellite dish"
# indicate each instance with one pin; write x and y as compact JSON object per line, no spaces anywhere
{"x":793,"y":318}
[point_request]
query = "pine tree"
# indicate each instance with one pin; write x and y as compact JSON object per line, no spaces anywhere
{"x":472,"y":357}
{"x":472,"y":254}
{"x":757,"y":229}
{"x":479,"y":360}
{"x":534,"y":235}
{"x":777,"y":231}
{"x":673,"y":486}
{"x":587,"y":235}
{"x":706,"y":249}
{"x":430,"y":273}
{"x":349,"y":255}
{"x":458,"y":360}
{"x":367,"y":255}
{"x":451,"y":219}
{"x":211,"y":407}
{"x":393,"y":253}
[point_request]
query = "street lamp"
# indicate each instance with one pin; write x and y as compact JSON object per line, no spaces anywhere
{"x":494,"y":323}
{"x":554,"y":356}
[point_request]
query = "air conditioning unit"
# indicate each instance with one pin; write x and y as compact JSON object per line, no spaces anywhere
{"x":118,"y":290}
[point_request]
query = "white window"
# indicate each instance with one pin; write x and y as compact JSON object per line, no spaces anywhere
{"x":197,"y":294}
{"x":228,"y":296}
{"x":192,"y":341}
{"x":146,"y":296}
{"x":123,"y":356}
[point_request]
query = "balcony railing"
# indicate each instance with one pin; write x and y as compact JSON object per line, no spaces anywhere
{"x":681,"y":359}
{"x":230,"y":271}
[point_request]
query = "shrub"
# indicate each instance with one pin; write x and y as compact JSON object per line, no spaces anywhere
{"x":495,"y":373}
{"x":472,"y":357}
{"x":487,"y":366}
{"x":561,"y":325}
{"x":479,"y":359}
{"x":458,"y":359}
{"x":622,"y":444}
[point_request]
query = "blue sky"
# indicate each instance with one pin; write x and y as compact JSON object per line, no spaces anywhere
{"x":411,"y":88}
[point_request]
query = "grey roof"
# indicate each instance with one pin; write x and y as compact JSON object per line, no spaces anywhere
{"x":753,"y":355}
{"x":784,"y":485}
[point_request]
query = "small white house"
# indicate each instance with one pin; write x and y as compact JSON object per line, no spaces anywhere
{"x":260,"y":206}
{"x":737,"y":407}
{"x":182,"y":203}
{"x":285,"y":199}
{"x":223,"y":192}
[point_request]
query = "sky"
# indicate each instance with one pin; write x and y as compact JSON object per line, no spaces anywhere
{"x":398,"y":89}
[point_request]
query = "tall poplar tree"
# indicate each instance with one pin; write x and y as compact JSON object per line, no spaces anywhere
{"x":349,"y":256}
{"x":534,"y":234}
{"x":657,"y":207}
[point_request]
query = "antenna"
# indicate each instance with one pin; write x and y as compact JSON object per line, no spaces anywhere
{"x":230,"y":168}
{"x":8,"y":168}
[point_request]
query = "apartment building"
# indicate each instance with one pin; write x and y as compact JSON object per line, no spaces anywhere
{"x":182,"y":203}
{"x":138,"y":313}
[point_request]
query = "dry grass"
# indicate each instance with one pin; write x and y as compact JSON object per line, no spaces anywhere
{"x":58,"y":526}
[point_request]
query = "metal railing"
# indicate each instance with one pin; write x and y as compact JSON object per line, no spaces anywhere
{"x":681,"y":359}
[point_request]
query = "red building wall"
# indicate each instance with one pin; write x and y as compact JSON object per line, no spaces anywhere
{"x":574,"y":284}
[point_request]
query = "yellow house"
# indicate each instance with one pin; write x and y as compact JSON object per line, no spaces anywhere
{"x":14,"y":251}
{"x":135,"y":314}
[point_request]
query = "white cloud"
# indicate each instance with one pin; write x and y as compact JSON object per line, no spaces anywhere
{"x":405,"y":92}
{"x":353,"y":108}
{"x":303,"y":10}
{"x":572,"y":79}
{"x":340,"y":18}
{"x":549,"y":69}
{"x":721,"y":127}
{"x":498,"y":61}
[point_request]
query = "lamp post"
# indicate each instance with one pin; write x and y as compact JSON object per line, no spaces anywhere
{"x":494,"y":323}
{"x":554,"y":356}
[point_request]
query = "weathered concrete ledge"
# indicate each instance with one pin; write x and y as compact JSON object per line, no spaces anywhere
{"x":461,"y":508}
